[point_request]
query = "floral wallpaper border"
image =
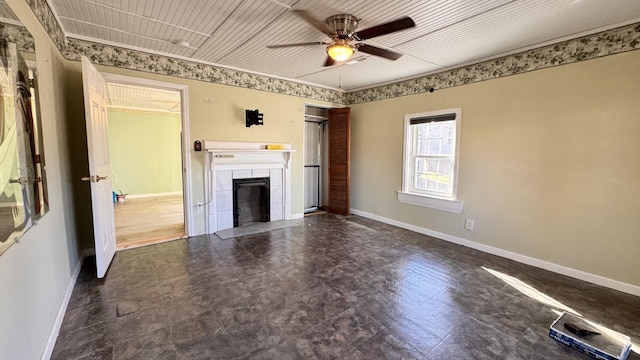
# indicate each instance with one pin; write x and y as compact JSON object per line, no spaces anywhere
{"x":43,"y":12}
{"x":610,"y":42}
{"x":19,"y":35}
{"x":137,"y":60}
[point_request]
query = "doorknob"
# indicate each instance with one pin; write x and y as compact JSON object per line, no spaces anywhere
{"x":93,"y":178}
{"x":21,"y":181}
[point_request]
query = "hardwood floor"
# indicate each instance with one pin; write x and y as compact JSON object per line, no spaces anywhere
{"x":143,"y":221}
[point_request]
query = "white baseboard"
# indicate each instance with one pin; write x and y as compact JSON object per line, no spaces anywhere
{"x":297,"y":216}
{"x":559,"y":269}
{"x":55,"y":330}
{"x":139,"y":196}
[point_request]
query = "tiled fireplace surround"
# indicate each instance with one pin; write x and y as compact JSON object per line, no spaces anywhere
{"x":228,"y":160}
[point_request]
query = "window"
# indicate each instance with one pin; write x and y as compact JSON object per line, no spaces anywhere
{"x":430,"y":160}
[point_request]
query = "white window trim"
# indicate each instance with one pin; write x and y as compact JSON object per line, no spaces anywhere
{"x":430,"y":202}
{"x":406,"y":196}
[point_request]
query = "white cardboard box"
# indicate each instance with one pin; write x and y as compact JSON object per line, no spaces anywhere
{"x":608,"y":345}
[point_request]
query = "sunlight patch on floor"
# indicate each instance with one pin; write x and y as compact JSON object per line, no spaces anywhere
{"x":530,"y":291}
{"x":535,"y":294}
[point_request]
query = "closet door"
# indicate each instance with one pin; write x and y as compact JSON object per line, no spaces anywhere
{"x":339,"y":160}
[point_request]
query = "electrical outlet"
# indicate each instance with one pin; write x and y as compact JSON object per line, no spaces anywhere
{"x":468,"y":224}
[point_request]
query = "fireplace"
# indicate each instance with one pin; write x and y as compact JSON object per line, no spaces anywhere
{"x":251,"y":201}
{"x":251,"y":163}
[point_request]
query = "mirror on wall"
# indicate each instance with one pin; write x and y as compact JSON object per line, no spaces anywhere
{"x":23,"y":190}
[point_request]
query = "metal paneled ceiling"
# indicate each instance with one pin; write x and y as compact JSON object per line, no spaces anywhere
{"x":235,"y":33}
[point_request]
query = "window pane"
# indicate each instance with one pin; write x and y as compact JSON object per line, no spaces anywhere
{"x":451,"y":129}
{"x":432,"y":166}
{"x":420,"y":166}
{"x":422,"y":137}
{"x":423,"y":131}
{"x":420,"y":181}
{"x":444,"y":167}
{"x":432,"y":185}
{"x":444,"y":188}
{"x":434,"y":147}
{"x":435,"y":138}
{"x":433,"y":175}
{"x":435,"y":130}
{"x":446,"y":146}
{"x":422,"y":147}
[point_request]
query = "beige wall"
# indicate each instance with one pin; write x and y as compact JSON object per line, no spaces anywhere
{"x":35,"y":272}
{"x":549,"y":164}
{"x":217,"y":112}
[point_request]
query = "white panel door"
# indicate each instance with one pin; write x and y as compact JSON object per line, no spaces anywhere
{"x":95,"y":109}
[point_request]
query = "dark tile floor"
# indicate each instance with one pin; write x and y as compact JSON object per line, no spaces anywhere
{"x":331,"y":288}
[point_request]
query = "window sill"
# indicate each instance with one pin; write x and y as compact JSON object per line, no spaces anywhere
{"x":430,"y":202}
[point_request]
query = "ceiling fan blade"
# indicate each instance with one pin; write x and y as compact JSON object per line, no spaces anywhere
{"x":323,"y":27}
{"x":374,"y":50}
{"x":296,"y":44}
{"x":329,"y":61}
{"x":386,"y":28}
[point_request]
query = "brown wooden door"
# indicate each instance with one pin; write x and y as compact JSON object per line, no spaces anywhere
{"x":339,"y":160}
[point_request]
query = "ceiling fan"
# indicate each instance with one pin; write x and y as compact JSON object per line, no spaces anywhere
{"x":341,"y":29}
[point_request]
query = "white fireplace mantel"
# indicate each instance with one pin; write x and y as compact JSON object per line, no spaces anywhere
{"x":228,"y":160}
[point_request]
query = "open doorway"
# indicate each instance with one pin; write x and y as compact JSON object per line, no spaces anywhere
{"x":145,"y":126}
{"x":327,"y":143}
{"x":315,"y":159}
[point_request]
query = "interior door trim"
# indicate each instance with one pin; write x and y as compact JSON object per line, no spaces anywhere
{"x":186,"y":139}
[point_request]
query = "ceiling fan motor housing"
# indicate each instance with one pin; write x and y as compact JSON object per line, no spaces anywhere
{"x":344,"y":25}
{"x":341,"y":29}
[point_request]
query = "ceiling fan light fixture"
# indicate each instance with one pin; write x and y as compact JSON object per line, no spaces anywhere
{"x":340,"y":50}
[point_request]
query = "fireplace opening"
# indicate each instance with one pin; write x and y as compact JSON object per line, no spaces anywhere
{"x":251,"y":202}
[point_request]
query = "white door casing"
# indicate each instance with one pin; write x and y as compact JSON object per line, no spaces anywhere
{"x":95,"y":107}
{"x":185,"y":138}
